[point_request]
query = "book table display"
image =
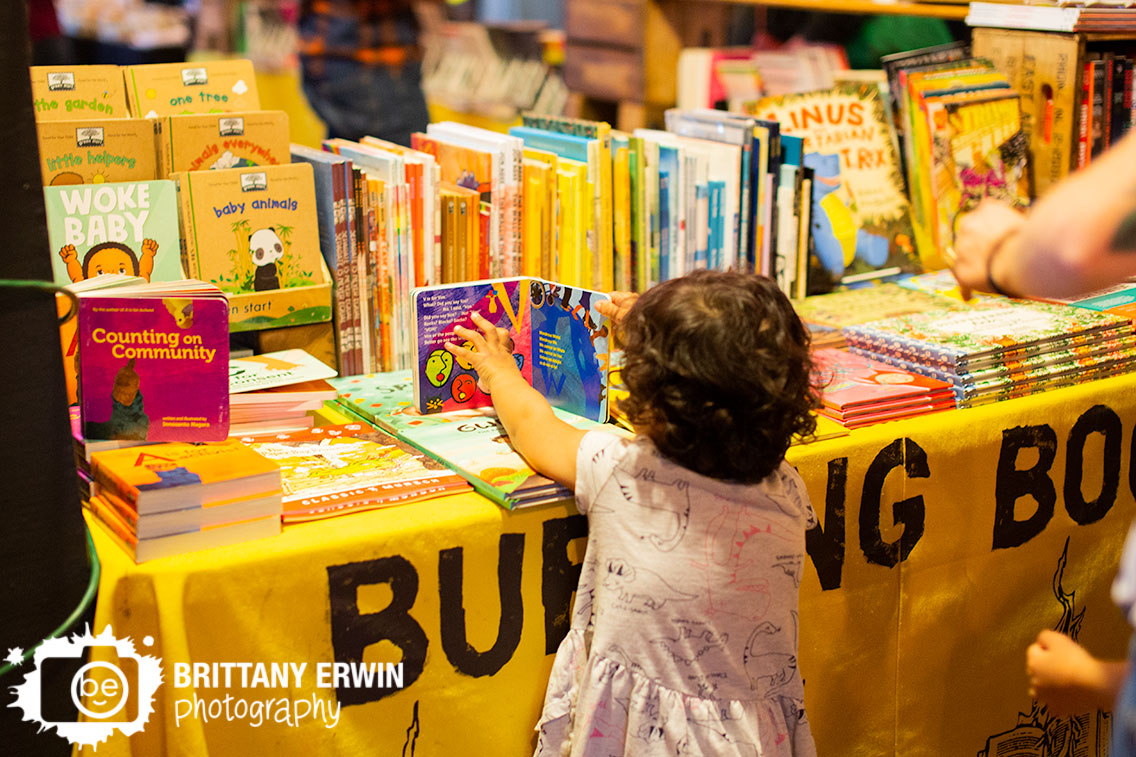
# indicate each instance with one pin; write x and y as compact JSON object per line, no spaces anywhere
{"x":946,"y":543}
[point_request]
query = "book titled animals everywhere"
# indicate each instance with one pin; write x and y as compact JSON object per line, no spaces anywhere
{"x":153,"y":363}
{"x":128,"y":227}
{"x":560,"y":343}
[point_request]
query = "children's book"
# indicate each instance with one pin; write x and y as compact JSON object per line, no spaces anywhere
{"x":223,"y":140}
{"x":253,"y":232}
{"x":122,"y":227}
{"x":853,"y":381}
{"x":144,"y":550}
{"x":560,"y":343}
{"x":153,"y":363}
{"x":471,"y":442}
{"x":860,"y":217}
{"x":168,"y":89}
{"x":69,"y":329}
{"x":66,"y":92}
{"x":274,"y":369}
{"x":333,"y":470}
{"x":96,"y":150}
{"x":984,"y":335}
{"x":179,"y":476}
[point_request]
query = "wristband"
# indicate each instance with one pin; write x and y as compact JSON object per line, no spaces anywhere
{"x":995,"y":248}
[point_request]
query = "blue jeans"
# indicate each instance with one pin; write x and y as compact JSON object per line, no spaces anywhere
{"x":356,"y":100}
{"x":1124,"y":711}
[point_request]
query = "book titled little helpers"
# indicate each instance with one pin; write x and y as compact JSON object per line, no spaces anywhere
{"x":154,"y":362}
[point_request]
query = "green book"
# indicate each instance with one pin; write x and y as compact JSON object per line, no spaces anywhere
{"x":128,"y":227}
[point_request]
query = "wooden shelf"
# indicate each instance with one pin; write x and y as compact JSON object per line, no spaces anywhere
{"x":948,"y":11}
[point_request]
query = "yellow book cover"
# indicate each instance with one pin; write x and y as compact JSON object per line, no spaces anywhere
{"x":761,"y":134}
{"x":449,"y":236}
{"x":253,"y":233}
{"x":62,"y":93}
{"x":621,"y":217}
{"x":549,"y":159}
{"x":169,"y":89}
{"x":96,"y":150}
{"x":228,"y":140}
{"x":534,"y":200}
{"x":569,"y":261}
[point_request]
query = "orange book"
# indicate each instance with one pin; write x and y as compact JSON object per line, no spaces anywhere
{"x":178,"y":475}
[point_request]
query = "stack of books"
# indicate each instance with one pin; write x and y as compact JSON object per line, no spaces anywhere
{"x":826,"y":314}
{"x":274,"y":393}
{"x":860,"y":392}
{"x":997,"y":351}
{"x":335,"y":470}
{"x":471,"y":442}
{"x":166,"y":499}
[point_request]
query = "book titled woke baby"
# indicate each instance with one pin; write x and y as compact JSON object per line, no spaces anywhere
{"x":154,"y":363}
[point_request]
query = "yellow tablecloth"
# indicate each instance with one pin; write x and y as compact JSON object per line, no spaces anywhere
{"x":946,"y":543}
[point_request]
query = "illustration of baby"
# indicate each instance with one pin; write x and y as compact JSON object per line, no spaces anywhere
{"x":110,"y":257}
{"x":128,"y":419}
{"x":265,"y":248}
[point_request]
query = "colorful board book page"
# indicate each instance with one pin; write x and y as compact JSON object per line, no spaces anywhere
{"x":96,"y":150}
{"x":330,"y":470}
{"x":169,"y":89}
{"x":852,"y":380}
{"x":124,"y":227}
{"x":152,"y":363}
{"x":560,"y":343}
{"x":177,"y":475}
{"x":254,"y":233}
{"x":66,"y":92}
{"x":273,"y":369}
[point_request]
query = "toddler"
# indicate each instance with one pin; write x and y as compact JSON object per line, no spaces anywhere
{"x":684,"y":631}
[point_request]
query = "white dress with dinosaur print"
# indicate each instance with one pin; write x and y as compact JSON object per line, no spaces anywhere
{"x":684,"y":632}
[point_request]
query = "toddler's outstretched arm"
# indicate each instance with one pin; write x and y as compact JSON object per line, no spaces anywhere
{"x":546,"y":442}
{"x":1067,"y":679}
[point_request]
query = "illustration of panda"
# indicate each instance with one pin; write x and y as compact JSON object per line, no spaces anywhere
{"x":266,"y":248}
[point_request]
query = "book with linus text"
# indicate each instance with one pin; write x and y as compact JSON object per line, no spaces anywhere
{"x":128,"y":227}
{"x":559,"y":340}
{"x":153,"y":363}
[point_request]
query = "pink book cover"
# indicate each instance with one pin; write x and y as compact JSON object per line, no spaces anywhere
{"x":851,"y":380}
{"x":154,"y":368}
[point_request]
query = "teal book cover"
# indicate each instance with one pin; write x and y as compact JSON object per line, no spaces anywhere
{"x":128,"y":227}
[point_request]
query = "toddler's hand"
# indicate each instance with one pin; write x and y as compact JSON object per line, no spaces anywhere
{"x":68,"y":253}
{"x":1062,"y":674}
{"x":491,"y":356}
{"x":617,"y":308}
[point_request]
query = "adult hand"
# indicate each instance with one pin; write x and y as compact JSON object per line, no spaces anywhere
{"x":491,"y":356}
{"x":979,"y":235}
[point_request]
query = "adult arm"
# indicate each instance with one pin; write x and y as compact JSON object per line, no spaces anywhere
{"x":1078,"y":238}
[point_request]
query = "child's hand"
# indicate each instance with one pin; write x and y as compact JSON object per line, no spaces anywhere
{"x":68,"y":253}
{"x":1064,"y":676}
{"x":617,"y":308}
{"x":491,"y":356}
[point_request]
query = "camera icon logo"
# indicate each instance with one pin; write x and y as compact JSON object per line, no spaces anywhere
{"x":110,"y":685}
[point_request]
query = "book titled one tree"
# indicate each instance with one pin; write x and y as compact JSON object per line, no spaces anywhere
{"x":559,"y":340}
{"x":154,"y":362}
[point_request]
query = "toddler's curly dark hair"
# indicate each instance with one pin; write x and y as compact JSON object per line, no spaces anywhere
{"x":718,"y":371}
